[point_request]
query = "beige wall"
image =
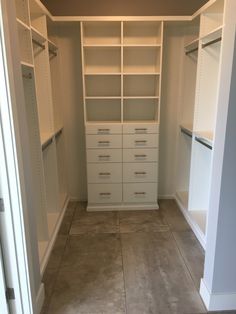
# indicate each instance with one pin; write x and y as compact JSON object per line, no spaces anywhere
{"x":123,"y":7}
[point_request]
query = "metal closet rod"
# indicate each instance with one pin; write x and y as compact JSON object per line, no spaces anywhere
{"x":52,"y":52}
{"x":212,"y":42}
{"x":48,"y":143}
{"x":201,"y":141}
{"x":38,"y":43}
{"x":186,"y":132}
{"x":58,"y":133}
{"x":190,"y":51}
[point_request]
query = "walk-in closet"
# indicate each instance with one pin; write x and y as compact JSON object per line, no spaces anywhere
{"x":124,"y":111}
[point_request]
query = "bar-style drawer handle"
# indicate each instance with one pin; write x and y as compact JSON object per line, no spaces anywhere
{"x":104,"y":142}
{"x":103,"y":130}
{"x":139,"y":141}
{"x":140,"y":156}
{"x":105,"y":194}
{"x":141,"y":129}
{"x":104,"y":173}
{"x":104,"y":156}
{"x":140,"y":193}
{"x":140,"y":173}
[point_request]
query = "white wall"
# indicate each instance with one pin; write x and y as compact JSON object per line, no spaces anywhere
{"x":70,"y":54}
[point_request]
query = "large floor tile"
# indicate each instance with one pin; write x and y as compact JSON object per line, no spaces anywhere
{"x":156,"y":278}
{"x":90,"y":251}
{"x":192,"y":253}
{"x":89,"y":293}
{"x":98,"y":222}
{"x":173,"y":215}
{"x":142,"y":221}
{"x":57,"y":252}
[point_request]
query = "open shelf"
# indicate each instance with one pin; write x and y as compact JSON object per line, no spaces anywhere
{"x":38,"y":18}
{"x":136,"y":86}
{"x":140,"y":109}
{"x":214,"y":35}
{"x":192,"y":46}
{"x":22,"y":12}
{"x":102,"y":60}
{"x":212,"y":18}
{"x":45,"y":137}
{"x":105,"y":85}
{"x":142,"y":33}
{"x":141,"y":60}
{"x":25,"y":43}
{"x":101,"y":33}
{"x":103,"y":110}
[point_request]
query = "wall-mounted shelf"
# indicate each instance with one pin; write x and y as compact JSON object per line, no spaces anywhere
{"x":212,"y":37}
{"x":192,"y":46}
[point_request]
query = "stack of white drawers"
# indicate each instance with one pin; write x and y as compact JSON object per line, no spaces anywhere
{"x":122,"y":165}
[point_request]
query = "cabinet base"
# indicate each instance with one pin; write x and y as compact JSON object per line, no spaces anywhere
{"x":120,"y":207}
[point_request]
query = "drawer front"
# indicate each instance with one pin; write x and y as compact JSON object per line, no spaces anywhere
{"x":105,"y":128}
{"x":141,"y":128}
{"x":104,"y":193}
{"x":104,"y":141}
{"x":140,"y":140}
{"x":140,"y":172}
{"x":104,"y":173}
{"x":140,"y":155}
{"x":104,"y":155}
{"x":140,"y":192}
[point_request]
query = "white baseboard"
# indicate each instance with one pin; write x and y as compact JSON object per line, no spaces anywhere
{"x":40,"y":298}
{"x":198,"y":233}
{"x":166,"y":197}
{"x":120,"y":207}
{"x":217,"y":302}
{"x":76,"y":199}
{"x":45,"y":259}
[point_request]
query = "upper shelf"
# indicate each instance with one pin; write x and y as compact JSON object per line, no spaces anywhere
{"x":192,"y":46}
{"x":213,"y":36}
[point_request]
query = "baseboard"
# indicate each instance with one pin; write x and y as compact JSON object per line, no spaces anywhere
{"x":45,"y":259}
{"x":120,"y":207}
{"x":198,"y":233}
{"x":40,"y":298}
{"x":217,"y":302}
{"x":166,"y":197}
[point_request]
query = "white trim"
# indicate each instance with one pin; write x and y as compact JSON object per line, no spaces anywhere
{"x":46,"y":256}
{"x":120,"y":18}
{"x":197,"y":231}
{"x":217,"y":302}
{"x":203,"y":8}
{"x":40,"y":298}
{"x":166,"y":197}
{"x":104,"y":207}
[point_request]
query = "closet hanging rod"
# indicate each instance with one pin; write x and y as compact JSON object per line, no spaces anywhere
{"x":202,"y":141}
{"x":38,"y":44}
{"x":48,"y":143}
{"x":212,"y":42}
{"x":52,"y":52}
{"x":186,"y":132}
{"x":27,"y":76}
{"x":190,"y":51}
{"x":58,"y":133}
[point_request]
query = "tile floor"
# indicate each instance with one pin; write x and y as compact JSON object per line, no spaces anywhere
{"x":128,"y":262}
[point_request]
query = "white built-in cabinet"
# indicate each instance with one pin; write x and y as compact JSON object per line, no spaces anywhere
{"x":40,"y":65}
{"x":199,"y":110}
{"x":122,"y":64}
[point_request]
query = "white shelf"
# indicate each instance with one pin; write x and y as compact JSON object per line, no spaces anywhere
{"x":102,"y":73}
{"x":141,"y":73}
{"x":192,"y":46}
{"x":213,"y":35}
{"x":27,"y":65}
{"x":101,"y":45}
{"x":141,"y":97}
{"x":52,"y":46}
{"x":142,"y":45}
{"x":22,"y":24}
{"x":103,"y":97}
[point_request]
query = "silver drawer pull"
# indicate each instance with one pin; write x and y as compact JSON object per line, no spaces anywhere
{"x":140,"y":156}
{"x":140,"y":193}
{"x":140,"y":173}
{"x":105,"y":194}
{"x":104,"y":173}
{"x":104,"y":156}
{"x":140,"y":141}
{"x":103,"y":142}
{"x":141,"y":130}
{"x":103,"y":130}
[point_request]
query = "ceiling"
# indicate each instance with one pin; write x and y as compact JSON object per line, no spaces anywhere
{"x":122,"y":7}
